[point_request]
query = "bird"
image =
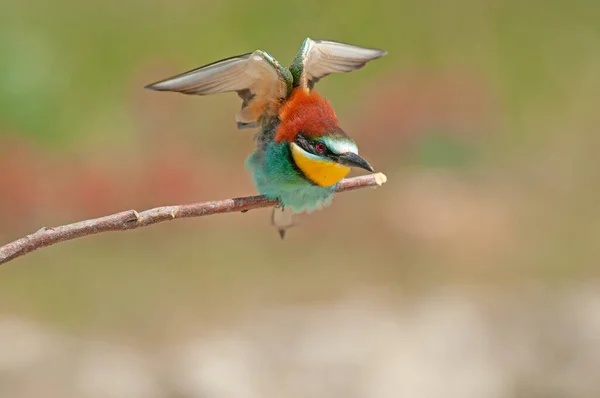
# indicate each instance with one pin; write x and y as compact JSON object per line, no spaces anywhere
{"x":301,"y":151}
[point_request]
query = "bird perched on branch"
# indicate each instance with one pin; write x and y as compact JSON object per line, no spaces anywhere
{"x":301,"y":152}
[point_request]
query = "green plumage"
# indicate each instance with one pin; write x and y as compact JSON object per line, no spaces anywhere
{"x":276,"y":176}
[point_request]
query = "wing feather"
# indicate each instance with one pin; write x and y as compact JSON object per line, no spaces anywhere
{"x":319,"y":58}
{"x":260,"y":81}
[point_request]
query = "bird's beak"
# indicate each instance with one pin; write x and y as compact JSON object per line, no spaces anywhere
{"x":353,"y":160}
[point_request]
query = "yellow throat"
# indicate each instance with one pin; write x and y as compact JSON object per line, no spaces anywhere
{"x":322,"y":172}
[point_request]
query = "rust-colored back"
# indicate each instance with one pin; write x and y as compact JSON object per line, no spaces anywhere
{"x":308,"y":112}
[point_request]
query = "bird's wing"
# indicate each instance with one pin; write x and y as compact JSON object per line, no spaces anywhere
{"x":258,"y":78}
{"x":319,"y":58}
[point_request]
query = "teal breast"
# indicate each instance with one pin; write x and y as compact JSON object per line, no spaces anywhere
{"x":277,"y":178}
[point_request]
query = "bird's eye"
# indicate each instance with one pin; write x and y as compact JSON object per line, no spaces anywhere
{"x":320,"y":147}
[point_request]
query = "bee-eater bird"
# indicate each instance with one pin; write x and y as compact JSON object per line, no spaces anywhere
{"x":301,"y":152}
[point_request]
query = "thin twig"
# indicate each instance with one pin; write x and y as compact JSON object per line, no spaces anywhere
{"x":131,"y":219}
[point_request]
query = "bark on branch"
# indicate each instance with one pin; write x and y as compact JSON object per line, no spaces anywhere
{"x":132,"y":219}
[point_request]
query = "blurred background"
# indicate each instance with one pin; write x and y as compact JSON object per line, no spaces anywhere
{"x":472,"y":273}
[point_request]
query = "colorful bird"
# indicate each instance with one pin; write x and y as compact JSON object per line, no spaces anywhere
{"x":301,"y":152}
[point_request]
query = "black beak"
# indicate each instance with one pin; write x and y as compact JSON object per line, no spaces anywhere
{"x":353,"y":160}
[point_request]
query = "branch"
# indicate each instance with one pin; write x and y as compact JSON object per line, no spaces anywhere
{"x":131,"y":219}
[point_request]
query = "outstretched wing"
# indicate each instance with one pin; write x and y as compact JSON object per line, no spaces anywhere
{"x":319,"y":58}
{"x":258,"y":78}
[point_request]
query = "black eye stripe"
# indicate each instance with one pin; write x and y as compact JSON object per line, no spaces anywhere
{"x":311,"y":146}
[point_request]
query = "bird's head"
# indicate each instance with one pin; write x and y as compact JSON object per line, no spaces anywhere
{"x":319,"y":147}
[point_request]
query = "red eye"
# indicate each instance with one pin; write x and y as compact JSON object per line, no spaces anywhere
{"x":320,"y":147}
